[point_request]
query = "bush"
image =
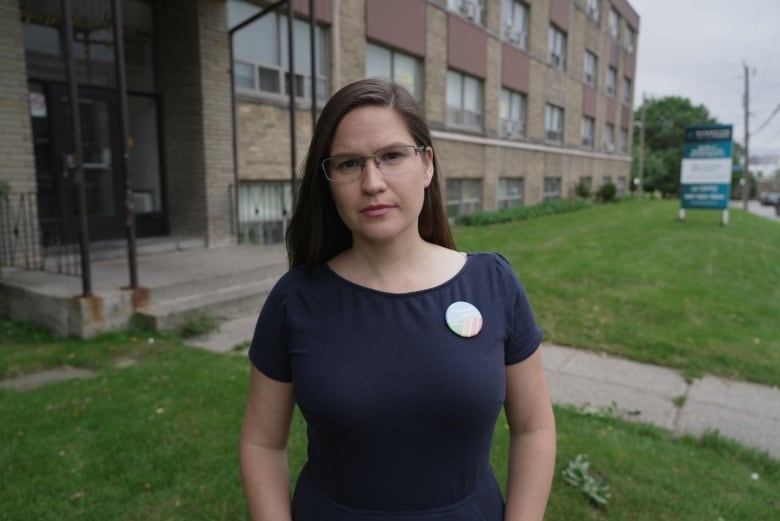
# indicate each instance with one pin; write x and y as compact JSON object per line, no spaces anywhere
{"x":606,"y":193}
{"x":582,"y":190}
{"x":519,"y":213}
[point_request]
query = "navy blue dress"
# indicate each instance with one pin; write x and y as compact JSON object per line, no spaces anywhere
{"x":400,"y":409}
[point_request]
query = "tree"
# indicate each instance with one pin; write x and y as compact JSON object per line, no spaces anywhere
{"x":665,"y":122}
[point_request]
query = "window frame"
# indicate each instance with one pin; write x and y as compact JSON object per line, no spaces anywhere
{"x":278,"y":72}
{"x":504,"y":197}
{"x":418,"y":89}
{"x":613,"y":24}
{"x":588,"y":137}
{"x":626,"y":90}
{"x":610,"y":83}
{"x":456,"y":116}
{"x":590,"y":76}
{"x":511,"y":34}
{"x":556,"y":47}
{"x":593,"y":10}
{"x":552,"y":192}
{"x":463,"y":205}
{"x":507,"y":125}
{"x":623,"y":140}
{"x":554,"y":114}
{"x":473,"y":10}
{"x":609,"y":137}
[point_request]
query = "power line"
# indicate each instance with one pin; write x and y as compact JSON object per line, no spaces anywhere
{"x":768,"y":120}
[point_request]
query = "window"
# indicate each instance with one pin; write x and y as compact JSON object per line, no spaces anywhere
{"x":510,"y":192}
{"x":591,"y":68}
{"x":609,"y":137}
{"x":553,"y":123}
{"x":395,"y":66}
{"x":628,"y":38}
{"x":626,"y":90}
{"x":557,"y":47}
{"x":512,"y":113}
{"x":263,"y":207}
{"x":621,"y":185}
{"x":516,"y":23}
{"x":464,"y":196}
{"x":624,"y":140}
{"x":611,"y":80}
{"x":587,"y":182}
{"x":588,"y":126}
{"x":593,"y":11}
{"x":613,"y":23}
{"x":260,"y":54}
{"x":606,"y":180}
{"x":464,"y":100}
{"x":471,"y":9}
{"x":552,"y":188}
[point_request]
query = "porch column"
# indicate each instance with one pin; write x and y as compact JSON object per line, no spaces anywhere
{"x":195,"y":82}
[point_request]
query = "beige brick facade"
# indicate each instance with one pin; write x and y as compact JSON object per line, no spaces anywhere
{"x":16,"y":150}
{"x":263,"y":133}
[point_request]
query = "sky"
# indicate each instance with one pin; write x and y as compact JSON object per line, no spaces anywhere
{"x":697,"y":49}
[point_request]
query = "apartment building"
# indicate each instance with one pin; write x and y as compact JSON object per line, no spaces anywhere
{"x":525,"y":99}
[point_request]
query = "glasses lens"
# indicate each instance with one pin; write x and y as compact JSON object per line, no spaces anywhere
{"x":342,"y":168}
{"x":396,"y":159}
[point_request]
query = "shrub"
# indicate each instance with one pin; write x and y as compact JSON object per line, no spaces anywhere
{"x":519,"y":213}
{"x":606,"y":193}
{"x":582,"y":190}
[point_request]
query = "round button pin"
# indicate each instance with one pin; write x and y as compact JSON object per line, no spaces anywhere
{"x":463,"y":319}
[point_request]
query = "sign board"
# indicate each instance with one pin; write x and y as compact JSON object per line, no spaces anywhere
{"x":705,"y":174}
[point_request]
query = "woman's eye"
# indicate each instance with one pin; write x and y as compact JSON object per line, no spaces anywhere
{"x":349,"y":164}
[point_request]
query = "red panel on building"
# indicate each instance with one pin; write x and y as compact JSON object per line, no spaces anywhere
{"x":400,"y":23}
{"x":613,"y":53}
{"x":323,"y":8}
{"x":467,"y":47}
{"x":559,"y":13}
{"x":627,"y":12}
{"x":515,"y":68}
{"x":611,"y":109}
{"x":589,"y":98}
{"x":629,"y":65}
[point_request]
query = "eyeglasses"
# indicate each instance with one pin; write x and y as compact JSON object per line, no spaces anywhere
{"x":391,"y":161}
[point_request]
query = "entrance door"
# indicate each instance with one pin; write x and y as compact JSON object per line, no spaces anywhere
{"x":103,"y":179}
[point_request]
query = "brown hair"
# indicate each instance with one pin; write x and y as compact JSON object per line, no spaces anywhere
{"x":316,"y":232}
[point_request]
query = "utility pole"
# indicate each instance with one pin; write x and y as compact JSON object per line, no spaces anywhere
{"x":641,"y":166}
{"x":746,"y":173}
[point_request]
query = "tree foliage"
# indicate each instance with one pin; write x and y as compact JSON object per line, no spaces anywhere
{"x":665,"y":122}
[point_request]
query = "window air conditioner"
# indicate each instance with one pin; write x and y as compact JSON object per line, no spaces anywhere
{"x":470,"y":10}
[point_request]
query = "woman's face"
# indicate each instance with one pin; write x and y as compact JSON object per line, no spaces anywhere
{"x":379,"y":207}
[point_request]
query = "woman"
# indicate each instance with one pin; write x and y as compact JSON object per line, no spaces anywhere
{"x":398,"y":349}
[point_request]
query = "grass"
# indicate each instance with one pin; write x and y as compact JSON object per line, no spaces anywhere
{"x":157,"y":440}
{"x":631,"y":280}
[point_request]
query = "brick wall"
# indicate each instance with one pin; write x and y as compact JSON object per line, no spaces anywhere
{"x":16,"y":151}
{"x":196,"y":85}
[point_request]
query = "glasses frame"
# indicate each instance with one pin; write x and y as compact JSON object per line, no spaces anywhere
{"x":418,"y":149}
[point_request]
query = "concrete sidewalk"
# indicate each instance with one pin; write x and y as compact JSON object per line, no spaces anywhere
{"x":745,"y":412}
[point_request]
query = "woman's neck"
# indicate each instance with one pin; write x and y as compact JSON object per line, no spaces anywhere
{"x":413,"y":266}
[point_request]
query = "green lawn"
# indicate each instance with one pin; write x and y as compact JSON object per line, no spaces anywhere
{"x":157,"y":438}
{"x":631,"y":280}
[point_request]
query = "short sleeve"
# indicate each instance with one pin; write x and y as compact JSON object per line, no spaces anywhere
{"x":524,"y":335}
{"x":269,"y":349}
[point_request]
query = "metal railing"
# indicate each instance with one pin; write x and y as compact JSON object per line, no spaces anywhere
{"x":32,"y":243}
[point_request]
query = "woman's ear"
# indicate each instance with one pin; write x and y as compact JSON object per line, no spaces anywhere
{"x":428,"y":166}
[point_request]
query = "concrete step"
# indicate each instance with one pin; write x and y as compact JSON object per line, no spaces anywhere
{"x":215,"y":281}
{"x":224,"y":303}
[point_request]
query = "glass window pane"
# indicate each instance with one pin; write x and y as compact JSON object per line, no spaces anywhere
{"x":302,"y":47}
{"x":378,"y":62}
{"x":472,"y":95}
{"x":244,"y":75}
{"x":258,"y":42}
{"x":454,"y":90}
{"x":503,"y":110}
{"x":406,"y":73}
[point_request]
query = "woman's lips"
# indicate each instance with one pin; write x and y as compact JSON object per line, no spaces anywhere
{"x":376,"y":210}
